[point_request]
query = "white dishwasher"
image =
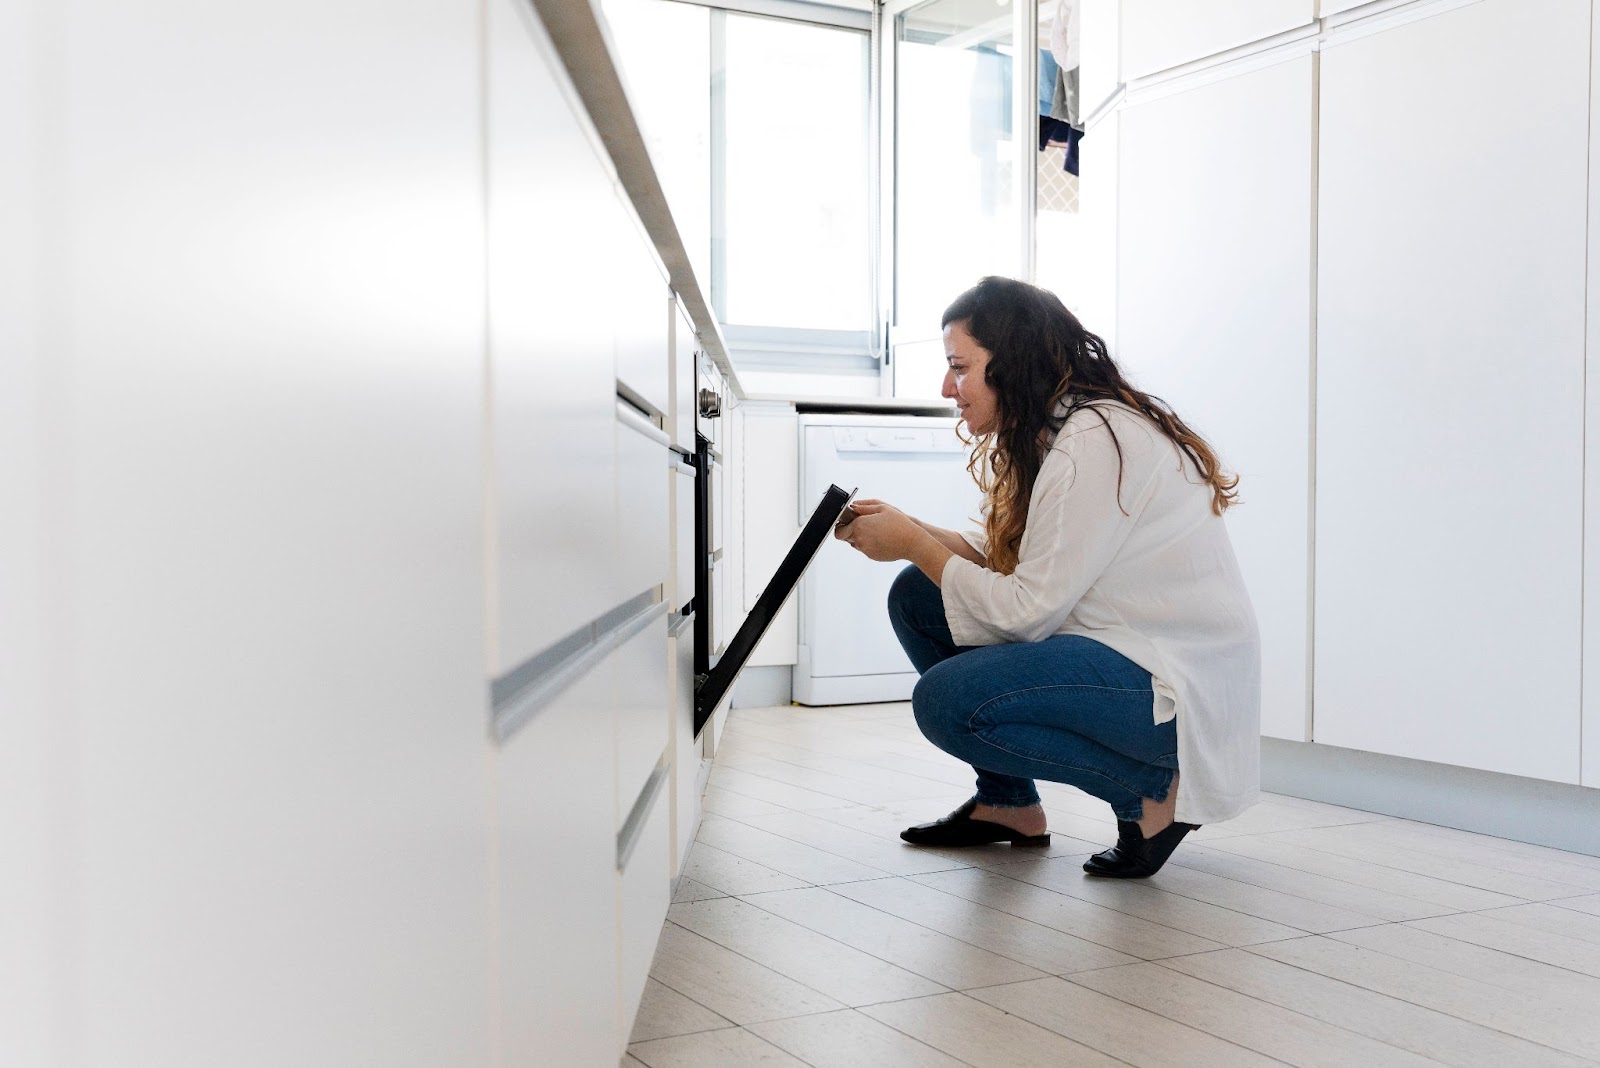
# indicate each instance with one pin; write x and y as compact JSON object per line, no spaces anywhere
{"x":848,"y":652}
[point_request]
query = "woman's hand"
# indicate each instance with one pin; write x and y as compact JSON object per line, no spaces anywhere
{"x":880,"y":531}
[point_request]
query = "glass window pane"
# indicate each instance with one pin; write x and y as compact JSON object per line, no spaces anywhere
{"x":955,"y":213}
{"x":795,"y":192}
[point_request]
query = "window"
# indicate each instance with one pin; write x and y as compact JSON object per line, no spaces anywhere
{"x":785,"y":179}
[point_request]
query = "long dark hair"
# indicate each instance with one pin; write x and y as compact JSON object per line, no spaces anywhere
{"x":1040,"y":354}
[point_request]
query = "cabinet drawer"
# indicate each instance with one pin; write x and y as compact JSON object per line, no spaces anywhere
{"x":638,"y":672}
{"x":686,"y":749}
{"x":641,"y":487}
{"x":646,"y":889}
{"x":642,"y":314}
{"x":559,"y":763}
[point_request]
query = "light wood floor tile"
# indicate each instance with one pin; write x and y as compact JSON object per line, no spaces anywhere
{"x":1361,"y":845}
{"x":1258,"y":901}
{"x":954,"y":963}
{"x":721,"y":870}
{"x":664,"y":1012}
{"x":1308,"y":885}
{"x":730,"y":1048}
{"x":1393,"y":1021}
{"x":1113,"y":1027}
{"x":1589,"y":903}
{"x":1082,"y":919}
{"x":1536,"y":1019}
{"x":1567,"y":923}
{"x":1033,"y":944}
{"x":851,"y":1040}
{"x":1245,"y":1021}
{"x":773,"y":792}
{"x":1494,"y":931}
{"x":910,"y":786}
{"x":875,"y":850}
{"x":842,"y":972}
{"x":737,"y":806}
{"x":689,"y":890}
{"x":861,"y":791}
{"x":794,"y":859}
{"x":1542,"y":862}
{"x":729,"y":984}
{"x":1507,"y":970}
{"x":983,"y":1036}
{"x":1269,"y":816}
{"x":1148,"y":901}
{"x":1452,"y":897}
{"x":821,"y":938}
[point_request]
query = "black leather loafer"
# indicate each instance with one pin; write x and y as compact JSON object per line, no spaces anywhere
{"x":1135,"y":856}
{"x":960,"y":829}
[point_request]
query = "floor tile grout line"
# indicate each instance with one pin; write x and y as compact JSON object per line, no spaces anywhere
{"x":931,"y":979}
{"x":1188,"y":897}
{"x":1079,"y":900}
{"x":1179,"y":860}
{"x":1408,"y":871}
{"x":1075,"y":1041}
{"x":774,"y":971}
{"x":1412,"y":924}
{"x":1141,"y":1008}
{"x":780,"y":834}
{"x":1513,"y":900}
{"x":956,"y":938}
{"x":919,"y":1041}
{"x":1249,"y":997}
{"x":1509,"y":858}
{"x":1416,"y":1004}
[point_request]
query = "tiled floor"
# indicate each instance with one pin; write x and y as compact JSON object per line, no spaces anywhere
{"x":804,"y":932}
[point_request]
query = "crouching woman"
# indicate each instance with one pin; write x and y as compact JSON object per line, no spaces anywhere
{"x":1097,"y":631}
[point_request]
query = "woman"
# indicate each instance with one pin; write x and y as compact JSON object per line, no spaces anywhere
{"x":1097,"y":632}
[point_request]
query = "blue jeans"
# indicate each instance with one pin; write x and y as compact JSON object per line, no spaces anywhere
{"x":1066,"y":709}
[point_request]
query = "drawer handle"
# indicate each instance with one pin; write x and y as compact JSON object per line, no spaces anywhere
{"x":629,"y":417}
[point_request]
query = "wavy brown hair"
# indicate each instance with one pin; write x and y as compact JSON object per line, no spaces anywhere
{"x":1040,"y":354}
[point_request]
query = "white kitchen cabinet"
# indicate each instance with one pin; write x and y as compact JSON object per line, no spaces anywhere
{"x":645,"y":886}
{"x":258,"y":410}
{"x":1450,"y":370}
{"x":641,"y":309}
{"x":558,"y":889}
{"x":1214,"y":299}
{"x":1159,"y":34}
{"x":639,"y":694}
{"x":554,"y":228}
{"x":643,"y":517}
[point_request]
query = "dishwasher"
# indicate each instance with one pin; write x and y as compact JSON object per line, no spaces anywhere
{"x":848,"y":653}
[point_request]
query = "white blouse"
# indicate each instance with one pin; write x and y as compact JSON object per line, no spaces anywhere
{"x":1159,"y":584}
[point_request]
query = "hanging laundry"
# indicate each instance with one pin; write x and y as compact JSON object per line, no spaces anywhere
{"x":1056,"y":132}
{"x":1048,"y":70}
{"x":1065,"y":31}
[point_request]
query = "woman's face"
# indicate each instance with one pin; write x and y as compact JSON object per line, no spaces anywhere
{"x":965,"y":383}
